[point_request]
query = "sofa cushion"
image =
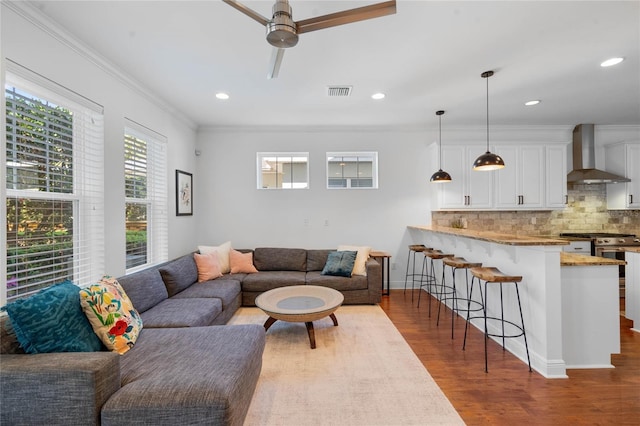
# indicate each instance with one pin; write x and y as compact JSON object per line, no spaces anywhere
{"x":356,"y":282}
{"x":52,"y":320}
{"x":224,"y":289}
{"x":316,"y":259}
{"x":266,"y":280}
{"x":8,"y":340}
{"x":145,"y":288}
{"x":280,"y":259}
{"x":111,"y":314}
{"x":340,"y":263}
{"x":210,"y":383}
{"x":182,"y":312}
{"x":179,"y":274}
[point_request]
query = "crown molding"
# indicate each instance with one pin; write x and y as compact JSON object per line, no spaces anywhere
{"x":33,"y":15}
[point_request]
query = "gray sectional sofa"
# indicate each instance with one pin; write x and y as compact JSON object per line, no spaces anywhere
{"x":185,"y":368}
{"x":280,"y":267}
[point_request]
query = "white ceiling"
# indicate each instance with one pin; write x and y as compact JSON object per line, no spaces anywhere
{"x":428,"y":56}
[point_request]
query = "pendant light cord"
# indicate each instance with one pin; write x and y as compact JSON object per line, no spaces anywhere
{"x":440,"y":139}
{"x":488,"y":112}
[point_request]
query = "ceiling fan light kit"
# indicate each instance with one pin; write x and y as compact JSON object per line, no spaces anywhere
{"x":282,"y":30}
{"x":488,"y":161}
{"x":440,"y":176}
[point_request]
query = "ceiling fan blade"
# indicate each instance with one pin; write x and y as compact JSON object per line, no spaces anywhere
{"x":346,"y":17}
{"x":274,"y":63}
{"x":249,"y":12}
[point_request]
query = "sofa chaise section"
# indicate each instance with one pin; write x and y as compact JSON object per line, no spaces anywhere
{"x":67,"y":388}
{"x":190,"y":376}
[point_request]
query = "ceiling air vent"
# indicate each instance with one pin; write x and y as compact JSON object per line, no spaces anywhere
{"x":339,"y":91}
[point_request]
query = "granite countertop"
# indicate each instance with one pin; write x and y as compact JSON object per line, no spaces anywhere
{"x":574,"y":259}
{"x":494,"y":237}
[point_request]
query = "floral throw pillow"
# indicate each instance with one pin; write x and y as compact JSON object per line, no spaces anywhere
{"x":111,"y":314}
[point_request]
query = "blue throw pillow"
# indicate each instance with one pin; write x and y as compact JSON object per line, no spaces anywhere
{"x":340,"y":263}
{"x":52,"y":320}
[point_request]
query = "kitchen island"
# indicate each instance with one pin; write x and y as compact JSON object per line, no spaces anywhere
{"x":556,"y":338}
{"x":632,"y":287}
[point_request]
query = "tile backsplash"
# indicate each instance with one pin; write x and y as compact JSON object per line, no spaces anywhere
{"x":586,"y":211}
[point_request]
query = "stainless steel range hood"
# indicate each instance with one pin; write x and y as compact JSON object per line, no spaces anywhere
{"x":584,"y":159}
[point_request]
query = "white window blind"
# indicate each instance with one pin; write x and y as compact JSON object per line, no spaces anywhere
{"x":146,"y":196}
{"x":54,"y":186}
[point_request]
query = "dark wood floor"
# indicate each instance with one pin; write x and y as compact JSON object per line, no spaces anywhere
{"x":509,"y":394}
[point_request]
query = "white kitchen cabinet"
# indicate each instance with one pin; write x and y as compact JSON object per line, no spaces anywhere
{"x":579,"y":247}
{"x":556,"y":176}
{"x":623,"y":159}
{"x":468,"y":189}
{"x":521,"y":184}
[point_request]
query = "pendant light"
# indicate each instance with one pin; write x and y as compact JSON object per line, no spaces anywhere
{"x":440,"y":176}
{"x":488,"y":160}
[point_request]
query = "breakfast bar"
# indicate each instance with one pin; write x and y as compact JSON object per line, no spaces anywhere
{"x":632,"y":288}
{"x":568,"y":300}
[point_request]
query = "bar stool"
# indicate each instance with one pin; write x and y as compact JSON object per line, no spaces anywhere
{"x":456,"y":263}
{"x":492,"y":275}
{"x":431,"y":278}
{"x":414,"y":249}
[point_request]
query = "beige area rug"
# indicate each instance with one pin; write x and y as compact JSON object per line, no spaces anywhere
{"x":361,"y":373}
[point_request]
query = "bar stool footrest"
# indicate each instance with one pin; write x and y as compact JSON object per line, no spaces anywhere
{"x":500,"y":320}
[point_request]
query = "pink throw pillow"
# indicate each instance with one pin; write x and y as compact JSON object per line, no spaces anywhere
{"x":241,"y":262}
{"x":208,"y":266}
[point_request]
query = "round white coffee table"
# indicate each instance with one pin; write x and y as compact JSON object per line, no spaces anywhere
{"x":300,"y":303}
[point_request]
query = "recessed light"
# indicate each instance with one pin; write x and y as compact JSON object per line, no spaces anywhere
{"x":378,"y":96}
{"x":222,"y":95}
{"x":533,"y":102}
{"x":611,"y":62}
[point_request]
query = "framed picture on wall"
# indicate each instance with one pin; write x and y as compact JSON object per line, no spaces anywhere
{"x":184,"y":193}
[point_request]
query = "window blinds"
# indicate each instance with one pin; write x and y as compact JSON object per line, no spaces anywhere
{"x":54,"y":186}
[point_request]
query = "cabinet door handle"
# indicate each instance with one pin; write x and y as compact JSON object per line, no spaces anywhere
{"x":630,"y":198}
{"x":566,"y":199}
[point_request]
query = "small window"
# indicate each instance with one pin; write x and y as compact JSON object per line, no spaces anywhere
{"x":283,"y":170}
{"x":352,"y":170}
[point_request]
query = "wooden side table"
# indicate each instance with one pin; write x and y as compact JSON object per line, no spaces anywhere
{"x":383,"y":257}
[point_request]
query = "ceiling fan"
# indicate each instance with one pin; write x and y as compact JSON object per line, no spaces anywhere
{"x":282,"y":30}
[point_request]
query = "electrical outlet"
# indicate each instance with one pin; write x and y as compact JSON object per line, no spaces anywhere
{"x":306,"y":222}
{"x":625,"y":219}
{"x":326,"y":222}
{"x":533,"y":220}
{"x":393,"y":266}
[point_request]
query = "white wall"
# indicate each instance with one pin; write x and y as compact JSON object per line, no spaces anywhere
{"x":231,"y":208}
{"x":43,"y":48}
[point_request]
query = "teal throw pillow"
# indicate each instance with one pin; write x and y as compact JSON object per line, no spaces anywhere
{"x":52,"y":320}
{"x":340,"y":263}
